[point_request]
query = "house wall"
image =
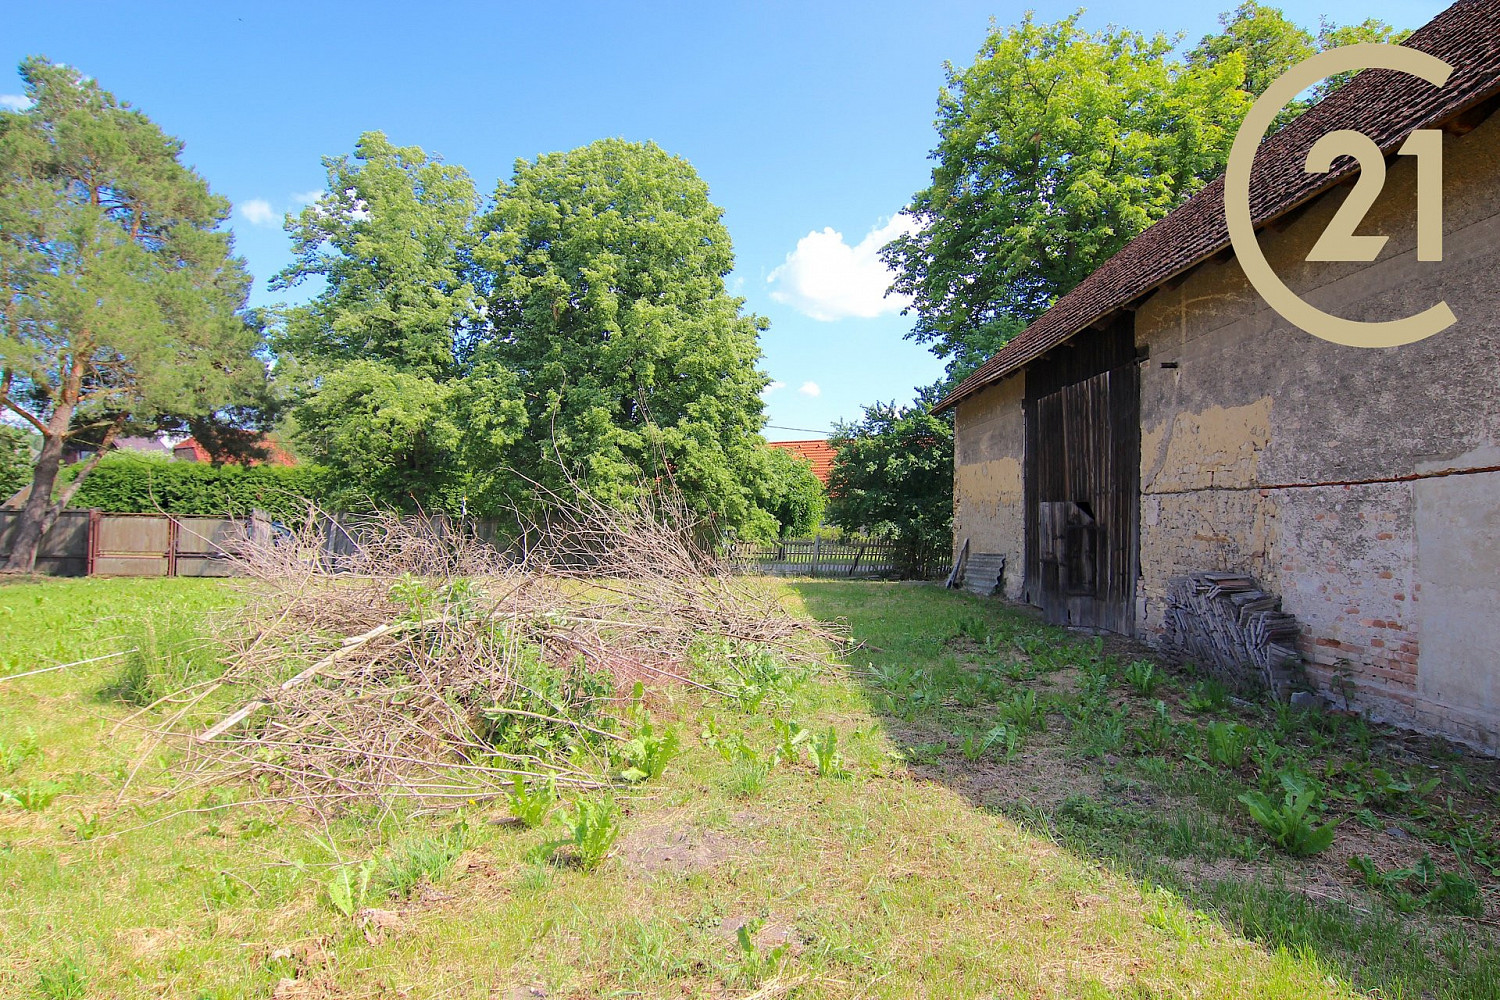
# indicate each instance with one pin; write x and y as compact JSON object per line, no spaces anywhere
{"x":989,"y":446}
{"x":1362,"y":486}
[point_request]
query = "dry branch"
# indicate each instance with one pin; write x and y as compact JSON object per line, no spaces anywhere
{"x":442,"y":645}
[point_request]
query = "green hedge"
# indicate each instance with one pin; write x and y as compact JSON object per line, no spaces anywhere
{"x":126,"y":483}
{"x":15,"y":460}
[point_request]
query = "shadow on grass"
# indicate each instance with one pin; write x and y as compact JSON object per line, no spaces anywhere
{"x":1088,"y":741}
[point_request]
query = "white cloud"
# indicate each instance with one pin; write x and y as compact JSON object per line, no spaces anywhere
{"x":307,"y":197}
{"x":828,"y":279}
{"x":772,"y":386}
{"x":810,"y":389}
{"x":15,"y":102}
{"x":258,"y":212}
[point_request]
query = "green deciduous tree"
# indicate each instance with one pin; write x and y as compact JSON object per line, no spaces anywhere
{"x":390,"y":238}
{"x":1055,"y":148}
{"x":1263,"y":40}
{"x":605,"y":268}
{"x":1268,"y":43}
{"x":122,"y":297}
{"x":404,"y":438}
{"x":784,"y":487}
{"x":893,"y":476}
{"x":1331,"y":36}
{"x":577,"y":334}
{"x":386,"y":391}
{"x":1058,"y":146}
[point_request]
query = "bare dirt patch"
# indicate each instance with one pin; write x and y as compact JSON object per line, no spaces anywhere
{"x":679,"y":847}
{"x":1041,"y":775}
{"x":766,"y":934}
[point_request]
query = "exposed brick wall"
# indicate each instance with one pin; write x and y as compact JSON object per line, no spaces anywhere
{"x":1268,"y":451}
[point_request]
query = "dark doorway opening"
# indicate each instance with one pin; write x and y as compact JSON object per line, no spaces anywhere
{"x":1082,"y":479}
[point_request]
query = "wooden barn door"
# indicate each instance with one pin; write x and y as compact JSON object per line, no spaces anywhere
{"x":1083,"y":473}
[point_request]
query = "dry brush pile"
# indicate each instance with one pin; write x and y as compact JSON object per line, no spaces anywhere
{"x":428,"y":666}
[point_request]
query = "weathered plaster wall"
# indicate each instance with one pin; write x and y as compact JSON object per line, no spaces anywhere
{"x":989,"y":446}
{"x":1350,"y":481}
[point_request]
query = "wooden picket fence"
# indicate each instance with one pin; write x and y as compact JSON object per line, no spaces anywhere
{"x":825,"y":557}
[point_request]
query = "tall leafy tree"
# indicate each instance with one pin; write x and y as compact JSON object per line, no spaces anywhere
{"x":390,"y":239}
{"x":380,"y":363}
{"x":893,"y":476}
{"x":1331,"y":36}
{"x":122,"y":298}
{"x":1268,"y":43}
{"x":1055,"y":148}
{"x":606,"y":270}
{"x":1264,"y":41}
{"x":785,"y":487}
{"x":1058,"y":146}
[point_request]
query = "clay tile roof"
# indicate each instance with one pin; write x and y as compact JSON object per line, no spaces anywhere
{"x":192,"y":450}
{"x":820,"y":453}
{"x":1383,"y":104}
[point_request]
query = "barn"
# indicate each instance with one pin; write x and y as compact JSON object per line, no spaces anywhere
{"x":1163,"y":423}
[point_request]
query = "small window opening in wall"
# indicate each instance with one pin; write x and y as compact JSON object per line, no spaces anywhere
{"x":1169,"y":364}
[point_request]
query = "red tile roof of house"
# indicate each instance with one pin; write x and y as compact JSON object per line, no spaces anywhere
{"x":819,"y":452}
{"x":190,"y":450}
{"x":1383,"y":104}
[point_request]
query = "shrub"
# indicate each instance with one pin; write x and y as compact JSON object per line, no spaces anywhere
{"x":129,"y":483}
{"x":785,"y":488}
{"x":893,"y":477}
{"x":15,"y":460}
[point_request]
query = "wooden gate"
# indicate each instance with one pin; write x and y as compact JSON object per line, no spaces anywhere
{"x":160,"y":545}
{"x":133,"y":545}
{"x":1083,"y":475}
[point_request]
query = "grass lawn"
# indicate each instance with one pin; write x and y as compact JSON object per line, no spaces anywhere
{"x":1002,"y":810}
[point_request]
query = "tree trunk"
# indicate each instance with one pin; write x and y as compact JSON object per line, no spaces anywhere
{"x":37,"y":516}
{"x":72,"y":488}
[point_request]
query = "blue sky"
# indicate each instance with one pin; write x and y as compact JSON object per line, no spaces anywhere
{"x":810,"y":122}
